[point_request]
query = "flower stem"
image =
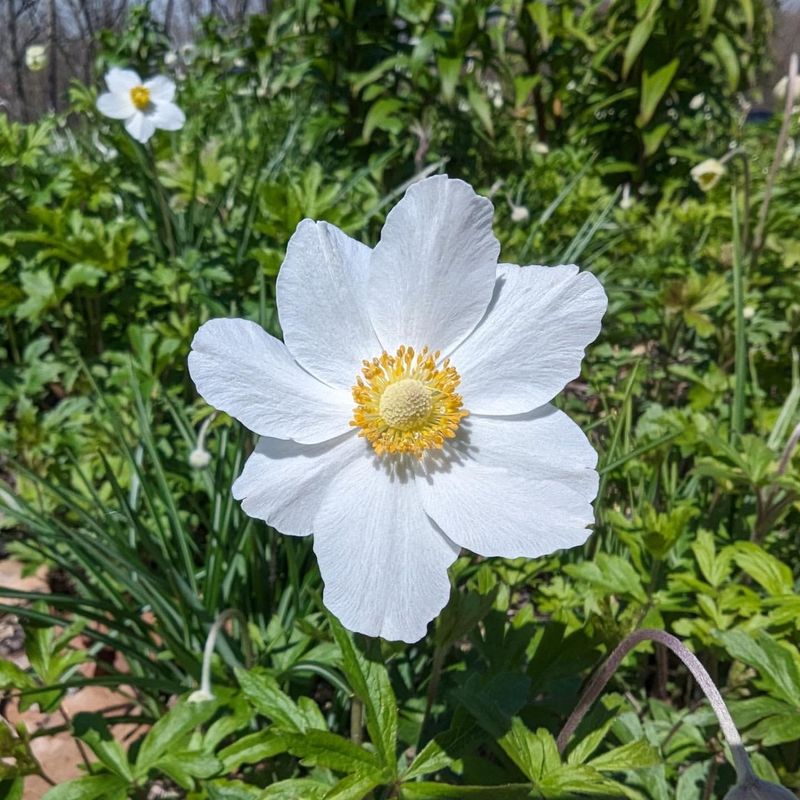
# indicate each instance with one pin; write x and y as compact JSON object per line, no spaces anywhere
{"x":603,"y":675}
{"x":437,"y":665}
{"x":740,"y":340}
{"x":356,"y":721}
{"x":211,"y":641}
{"x":780,"y":147}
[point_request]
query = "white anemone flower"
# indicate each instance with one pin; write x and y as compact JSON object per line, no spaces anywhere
{"x":144,"y":105}
{"x":407,"y":413}
{"x":707,"y":173}
{"x":36,"y":57}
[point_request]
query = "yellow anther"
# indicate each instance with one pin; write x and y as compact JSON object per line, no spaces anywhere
{"x":406,"y":403}
{"x":140,"y":95}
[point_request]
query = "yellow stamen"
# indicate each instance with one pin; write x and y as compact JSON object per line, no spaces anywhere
{"x":140,"y":95}
{"x":406,"y":403}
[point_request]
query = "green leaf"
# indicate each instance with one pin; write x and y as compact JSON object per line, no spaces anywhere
{"x":769,"y":572}
{"x":81,"y":275}
{"x":449,"y":73}
{"x":652,"y":138}
{"x":227,"y":789}
{"x":634,"y":755}
{"x":539,"y":14}
{"x":354,"y":787}
{"x":480,"y":105}
{"x":610,"y":573}
{"x":370,"y":683}
{"x":639,"y":37}
{"x":167,"y":733}
{"x":382,"y":115}
{"x":267,"y":697}
{"x":715,"y":567}
{"x":251,"y":749}
{"x":427,"y":790}
{"x":535,"y":753}
{"x":726,"y":54}
{"x":105,"y":787}
{"x":12,"y":678}
{"x":183,"y":766}
{"x":706,"y":13}
{"x":93,"y":731}
{"x":325,"y":749}
{"x":440,"y":751}
{"x":296,"y":789}
{"x":778,"y":729}
{"x":778,"y":666}
{"x":654,"y":86}
{"x":40,"y":294}
{"x":494,"y":704}
{"x":749,"y":14}
{"x":462,"y":613}
{"x":12,"y":789}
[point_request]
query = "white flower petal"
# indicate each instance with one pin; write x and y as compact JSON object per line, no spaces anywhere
{"x":531,"y":342}
{"x":116,"y":106}
{"x":383,"y":562}
{"x":284,"y":483}
{"x":432,"y":273}
{"x":242,"y":370}
{"x":121,"y":81}
{"x":321,"y":292}
{"x":167,"y":117}
{"x":140,"y":126}
{"x":162,"y":90}
{"x":515,"y":486}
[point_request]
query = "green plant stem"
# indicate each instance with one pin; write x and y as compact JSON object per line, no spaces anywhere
{"x":437,"y":665}
{"x":211,"y":640}
{"x":740,"y":333}
{"x":598,"y":682}
{"x":357,"y":721}
{"x":780,"y":147}
{"x":78,"y":742}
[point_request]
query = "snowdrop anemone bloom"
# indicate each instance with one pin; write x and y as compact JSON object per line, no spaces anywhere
{"x":144,"y":105}
{"x":36,"y":57}
{"x":707,"y":173}
{"x":407,"y":413}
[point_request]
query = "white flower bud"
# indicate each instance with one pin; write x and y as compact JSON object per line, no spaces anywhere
{"x":753,"y":788}
{"x":540,"y":148}
{"x":627,"y":199}
{"x":170,"y":58}
{"x":199,"y":458}
{"x":520,"y":214}
{"x":697,"y":102}
{"x":199,"y":696}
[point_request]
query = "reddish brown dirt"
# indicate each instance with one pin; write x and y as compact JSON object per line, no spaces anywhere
{"x":59,"y":755}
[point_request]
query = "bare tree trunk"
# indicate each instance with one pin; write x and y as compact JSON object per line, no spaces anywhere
{"x":89,"y":60}
{"x":16,"y":59}
{"x":52,"y":76}
{"x":168,"y":12}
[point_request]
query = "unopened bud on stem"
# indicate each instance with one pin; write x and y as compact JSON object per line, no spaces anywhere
{"x":748,"y":786}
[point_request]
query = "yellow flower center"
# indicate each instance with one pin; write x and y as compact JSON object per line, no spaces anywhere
{"x":406,"y":403}
{"x":140,"y":95}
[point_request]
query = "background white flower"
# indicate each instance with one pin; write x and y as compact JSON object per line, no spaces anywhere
{"x":36,"y":57}
{"x":393,"y":488}
{"x":144,"y":105}
{"x":707,"y":173}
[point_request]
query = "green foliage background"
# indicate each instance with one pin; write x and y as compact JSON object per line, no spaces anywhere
{"x":112,"y":254}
